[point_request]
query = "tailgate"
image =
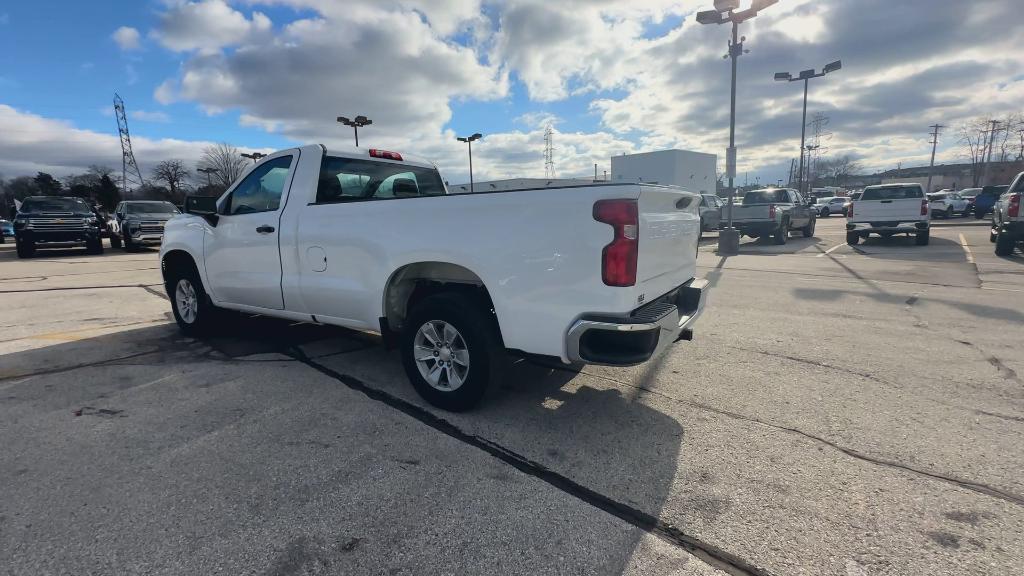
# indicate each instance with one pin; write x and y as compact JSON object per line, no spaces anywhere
{"x":902,"y":210}
{"x":752,"y":212}
{"x":669,"y":230}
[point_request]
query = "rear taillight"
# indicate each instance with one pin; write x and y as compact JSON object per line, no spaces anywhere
{"x":385,"y":154}
{"x":771,"y":211}
{"x":618,"y":259}
{"x":1013,"y":210}
{"x":924,"y":207}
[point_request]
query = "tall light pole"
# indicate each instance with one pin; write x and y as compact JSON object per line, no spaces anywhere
{"x":806,"y":76}
{"x":931,"y":165}
{"x":356,"y":123}
{"x":809,"y":148}
{"x":725,"y":11}
{"x":208,"y":170}
{"x":469,"y":142}
{"x":255,"y":156}
{"x":991,"y":141}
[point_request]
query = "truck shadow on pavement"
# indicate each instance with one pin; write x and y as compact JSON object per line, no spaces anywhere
{"x":979,"y":310}
{"x":586,"y":437}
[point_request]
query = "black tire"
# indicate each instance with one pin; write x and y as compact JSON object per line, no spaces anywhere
{"x":205,"y":312}
{"x":781,"y":235}
{"x":115,"y":241}
{"x":979,"y":213}
{"x":1004,"y":245}
{"x":94,"y":246}
{"x":127,"y":243}
{"x":948,"y":214}
{"x":992,"y":235}
{"x":25,"y":249}
{"x":921,"y":239}
{"x":853,"y":238}
{"x":3,"y":239}
{"x":824,"y":213}
{"x":477,"y":331}
{"x":808,"y":231}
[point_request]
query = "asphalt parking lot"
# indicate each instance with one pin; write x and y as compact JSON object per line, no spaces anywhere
{"x":842,"y":410}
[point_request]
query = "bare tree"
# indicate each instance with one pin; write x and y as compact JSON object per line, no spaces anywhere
{"x":837,"y":168}
{"x":226,"y":159}
{"x":973,"y":138}
{"x":175,"y":175}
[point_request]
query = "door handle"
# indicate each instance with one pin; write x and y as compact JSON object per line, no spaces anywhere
{"x":264,"y":229}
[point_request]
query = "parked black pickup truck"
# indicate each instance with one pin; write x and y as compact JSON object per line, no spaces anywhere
{"x":56,"y":222}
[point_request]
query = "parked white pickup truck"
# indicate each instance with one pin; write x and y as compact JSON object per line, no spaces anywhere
{"x":889,"y":209}
{"x":370,"y":240}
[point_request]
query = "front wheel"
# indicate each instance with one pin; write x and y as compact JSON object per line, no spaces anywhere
{"x":808,"y":230}
{"x":115,"y":241}
{"x":192,"y":309}
{"x":25,"y":249}
{"x":1004,"y":244}
{"x":449,"y":345}
{"x":94,"y":246}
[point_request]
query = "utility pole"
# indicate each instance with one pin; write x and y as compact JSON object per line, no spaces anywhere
{"x":931,"y":165}
{"x":725,"y":11}
{"x":792,"y":166}
{"x":991,"y":141}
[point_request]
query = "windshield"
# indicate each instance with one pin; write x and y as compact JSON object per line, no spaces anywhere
{"x":73,"y":205}
{"x":765,"y":197}
{"x":891,"y":193}
{"x":151,"y":208}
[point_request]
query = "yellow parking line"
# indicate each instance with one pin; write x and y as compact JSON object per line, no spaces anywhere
{"x":967,"y":249}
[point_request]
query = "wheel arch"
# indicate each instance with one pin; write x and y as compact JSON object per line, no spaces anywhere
{"x":176,"y":258}
{"x":413,"y":282}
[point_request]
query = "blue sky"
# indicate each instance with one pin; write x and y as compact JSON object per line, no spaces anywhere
{"x":612,"y":78}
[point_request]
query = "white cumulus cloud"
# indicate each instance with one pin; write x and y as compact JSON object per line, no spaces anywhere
{"x":127,"y":38}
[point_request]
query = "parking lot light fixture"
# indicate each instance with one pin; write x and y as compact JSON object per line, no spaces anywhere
{"x":255,"y":156}
{"x":806,"y":76}
{"x":727,"y":11}
{"x":208,"y":171}
{"x":356,"y":123}
{"x":469,"y":142}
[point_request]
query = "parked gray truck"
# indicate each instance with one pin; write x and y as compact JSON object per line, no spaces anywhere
{"x":774,"y":212}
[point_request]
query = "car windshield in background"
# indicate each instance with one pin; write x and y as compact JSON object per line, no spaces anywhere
{"x":73,"y":205}
{"x":764,"y":197}
{"x":152,"y":208}
{"x":891,"y":193}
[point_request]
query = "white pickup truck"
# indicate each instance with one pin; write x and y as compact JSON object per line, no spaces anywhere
{"x":370,"y":240}
{"x":889,"y":209}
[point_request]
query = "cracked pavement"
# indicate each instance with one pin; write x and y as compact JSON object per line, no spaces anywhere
{"x":852,"y":413}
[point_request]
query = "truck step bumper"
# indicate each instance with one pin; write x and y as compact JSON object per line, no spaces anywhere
{"x":634,"y":339}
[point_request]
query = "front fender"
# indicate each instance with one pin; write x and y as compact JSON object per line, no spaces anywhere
{"x":186,"y":233}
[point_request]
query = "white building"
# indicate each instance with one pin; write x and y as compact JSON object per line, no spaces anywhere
{"x":692,"y":171}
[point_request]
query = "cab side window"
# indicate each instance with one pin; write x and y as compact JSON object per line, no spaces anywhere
{"x":261,"y":190}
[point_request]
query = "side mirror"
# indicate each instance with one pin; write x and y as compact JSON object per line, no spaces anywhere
{"x":205,"y":206}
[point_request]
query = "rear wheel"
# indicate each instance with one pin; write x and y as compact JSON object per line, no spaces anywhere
{"x":824,"y":212}
{"x":1004,"y":244}
{"x":852,"y":238}
{"x":921,"y":239}
{"x":949,"y":213}
{"x":979,"y":213}
{"x":115,"y":241}
{"x":782,"y":234}
{"x":25,"y":249}
{"x":449,"y":346}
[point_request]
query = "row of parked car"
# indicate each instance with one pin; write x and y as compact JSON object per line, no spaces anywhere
{"x":885,"y":210}
{"x":58,"y":222}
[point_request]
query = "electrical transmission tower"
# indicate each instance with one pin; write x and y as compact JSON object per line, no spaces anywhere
{"x":818,"y":134}
{"x":549,"y":153}
{"x":131,"y":177}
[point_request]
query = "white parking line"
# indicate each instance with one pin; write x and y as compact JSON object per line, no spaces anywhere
{"x":830,"y":250}
{"x":967,"y":249}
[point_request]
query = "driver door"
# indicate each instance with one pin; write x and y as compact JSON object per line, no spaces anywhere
{"x":243,"y":259}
